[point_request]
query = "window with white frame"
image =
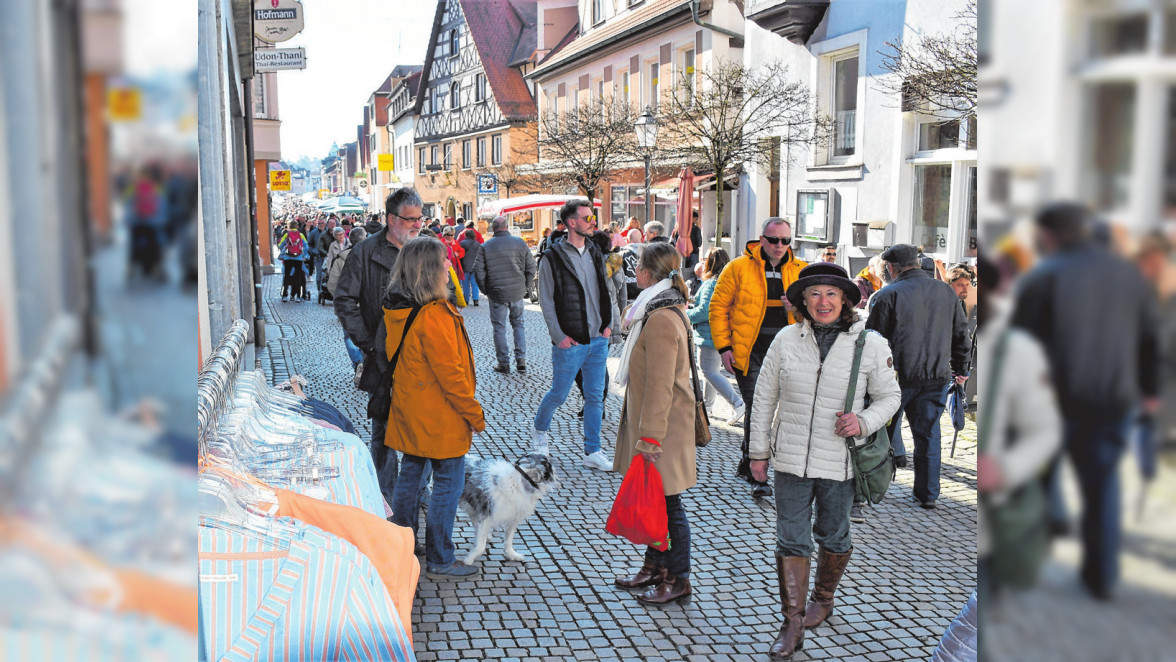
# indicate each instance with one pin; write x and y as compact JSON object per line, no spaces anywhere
{"x":454,"y":42}
{"x":448,"y":155}
{"x":433,"y":155}
{"x":597,"y":11}
{"x":481,"y":152}
{"x":466,"y":148}
{"x":651,"y":100}
{"x":618,"y":198}
{"x":625,"y":87}
{"x":844,"y":105}
{"x":688,"y":76}
{"x":496,"y":150}
{"x":479,"y":87}
{"x":455,"y":95}
{"x":421,"y":160}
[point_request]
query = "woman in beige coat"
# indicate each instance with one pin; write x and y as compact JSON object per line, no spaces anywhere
{"x":657,"y":420}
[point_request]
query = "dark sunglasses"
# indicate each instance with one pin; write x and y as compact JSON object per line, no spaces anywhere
{"x":776,"y":240}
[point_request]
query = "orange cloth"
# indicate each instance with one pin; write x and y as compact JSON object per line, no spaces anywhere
{"x":167,"y":602}
{"x":387,"y":546}
{"x":433,"y":404}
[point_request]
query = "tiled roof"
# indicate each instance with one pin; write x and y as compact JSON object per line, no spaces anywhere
{"x":499,"y":28}
{"x":611,"y":30}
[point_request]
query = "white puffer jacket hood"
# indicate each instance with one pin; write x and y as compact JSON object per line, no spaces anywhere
{"x":797,"y":398}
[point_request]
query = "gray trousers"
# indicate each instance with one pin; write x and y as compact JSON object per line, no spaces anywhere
{"x":498,"y":316}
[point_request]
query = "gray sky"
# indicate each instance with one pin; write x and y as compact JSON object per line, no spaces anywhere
{"x":351,"y":47}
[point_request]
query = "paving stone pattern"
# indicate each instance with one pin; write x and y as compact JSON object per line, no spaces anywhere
{"x":911,"y":573}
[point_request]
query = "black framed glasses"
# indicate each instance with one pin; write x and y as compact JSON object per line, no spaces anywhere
{"x":776,"y":240}
{"x":417,"y":219}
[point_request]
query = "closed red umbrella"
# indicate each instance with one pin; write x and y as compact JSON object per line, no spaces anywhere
{"x":685,"y":207}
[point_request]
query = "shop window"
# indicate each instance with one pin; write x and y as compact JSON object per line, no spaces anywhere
{"x":932,"y":204}
{"x":1111,"y":146}
{"x":1169,"y":193}
{"x":971,"y":238}
{"x":617,"y":196}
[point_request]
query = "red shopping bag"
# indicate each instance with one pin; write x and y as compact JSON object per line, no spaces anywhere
{"x":639,"y":512}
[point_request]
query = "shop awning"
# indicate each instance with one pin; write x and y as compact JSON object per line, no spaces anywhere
{"x":527,"y":203}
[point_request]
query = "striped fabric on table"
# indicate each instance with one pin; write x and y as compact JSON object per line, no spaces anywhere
{"x":356,"y":485}
{"x":318,"y":600}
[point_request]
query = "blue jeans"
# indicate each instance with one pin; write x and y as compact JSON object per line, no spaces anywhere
{"x":795,"y":528}
{"x":923,"y":406}
{"x":469,"y":288}
{"x":498,"y":317}
{"x":353,"y":351}
{"x":319,"y":272}
{"x":385,"y":459}
{"x":1096,"y":448}
{"x":676,"y":559}
{"x":565,"y":363}
{"x":448,"y":482}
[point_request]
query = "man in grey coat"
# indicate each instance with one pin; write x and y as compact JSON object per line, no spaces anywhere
{"x":502,"y":275}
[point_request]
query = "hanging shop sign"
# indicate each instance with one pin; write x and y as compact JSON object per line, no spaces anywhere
{"x":124,"y":104}
{"x":385,"y":162}
{"x":276,"y":21}
{"x":487,"y":184}
{"x":278,"y":59}
{"x":279,"y":180}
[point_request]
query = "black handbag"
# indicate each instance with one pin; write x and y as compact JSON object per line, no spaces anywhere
{"x":702,"y":433}
{"x":379,"y":405}
{"x":873,"y":461}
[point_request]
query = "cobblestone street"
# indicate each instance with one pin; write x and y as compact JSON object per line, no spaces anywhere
{"x":911,"y":572}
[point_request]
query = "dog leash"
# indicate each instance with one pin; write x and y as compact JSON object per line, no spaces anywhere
{"x":524,"y":475}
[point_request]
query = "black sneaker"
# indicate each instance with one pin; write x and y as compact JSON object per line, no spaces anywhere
{"x":926,"y":505}
{"x":504,"y":369}
{"x":857,"y":513}
{"x":761,"y":492}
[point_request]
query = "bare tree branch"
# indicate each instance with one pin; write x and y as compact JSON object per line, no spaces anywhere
{"x":936,"y":72}
{"x":583,"y":145}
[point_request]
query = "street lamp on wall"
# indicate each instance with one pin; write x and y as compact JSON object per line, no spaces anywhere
{"x":646,"y":130}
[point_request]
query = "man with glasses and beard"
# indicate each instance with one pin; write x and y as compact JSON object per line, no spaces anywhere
{"x":748,"y":309}
{"x":358,"y":298}
{"x":578,"y":312}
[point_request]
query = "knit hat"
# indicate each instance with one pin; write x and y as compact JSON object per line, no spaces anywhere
{"x":823,"y":273}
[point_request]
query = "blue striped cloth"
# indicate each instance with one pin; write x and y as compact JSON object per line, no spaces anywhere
{"x":319,"y":600}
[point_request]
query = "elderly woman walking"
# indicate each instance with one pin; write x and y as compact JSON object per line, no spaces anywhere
{"x":657,"y":420}
{"x":797,"y":421}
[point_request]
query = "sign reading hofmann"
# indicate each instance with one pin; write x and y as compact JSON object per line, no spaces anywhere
{"x":277,"y":20}
{"x":278,"y":59}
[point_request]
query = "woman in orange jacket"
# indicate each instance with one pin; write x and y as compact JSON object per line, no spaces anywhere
{"x":433,"y":411}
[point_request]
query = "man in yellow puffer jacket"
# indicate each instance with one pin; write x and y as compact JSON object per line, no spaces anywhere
{"x":749,"y":308}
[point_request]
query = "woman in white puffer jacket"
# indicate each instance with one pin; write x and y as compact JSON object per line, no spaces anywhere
{"x":797,"y":424}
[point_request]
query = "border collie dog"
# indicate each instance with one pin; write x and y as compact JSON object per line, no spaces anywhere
{"x":501,"y":494}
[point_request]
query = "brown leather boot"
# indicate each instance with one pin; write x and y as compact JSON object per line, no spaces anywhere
{"x":830,"y":567}
{"x":670,"y":590}
{"x":792,"y":573}
{"x":648,"y":575}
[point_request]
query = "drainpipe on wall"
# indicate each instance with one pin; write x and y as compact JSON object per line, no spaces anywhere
{"x":694,"y":13}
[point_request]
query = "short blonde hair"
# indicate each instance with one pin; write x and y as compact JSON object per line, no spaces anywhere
{"x":415,"y":271}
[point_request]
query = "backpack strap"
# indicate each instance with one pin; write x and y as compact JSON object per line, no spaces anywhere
{"x":396,"y":357}
{"x":698,"y":394}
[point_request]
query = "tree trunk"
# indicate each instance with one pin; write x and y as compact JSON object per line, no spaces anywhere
{"x":719,"y":213}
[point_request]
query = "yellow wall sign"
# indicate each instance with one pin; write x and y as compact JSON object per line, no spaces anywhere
{"x":124,"y":104}
{"x":385,"y":162}
{"x":322,"y":193}
{"x":279,"y":180}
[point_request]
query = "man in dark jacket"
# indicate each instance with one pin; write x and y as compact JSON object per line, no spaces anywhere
{"x":503,"y":273}
{"x":314,"y":232}
{"x":924,"y":322}
{"x":323,"y":245}
{"x":578,"y":312}
{"x":1098,"y":322}
{"x":357,"y":305}
{"x":470,"y":259}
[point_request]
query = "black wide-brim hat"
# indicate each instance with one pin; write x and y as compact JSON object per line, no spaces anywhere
{"x":823,"y":273}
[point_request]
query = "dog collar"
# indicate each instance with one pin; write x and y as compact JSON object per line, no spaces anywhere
{"x":524,"y":475}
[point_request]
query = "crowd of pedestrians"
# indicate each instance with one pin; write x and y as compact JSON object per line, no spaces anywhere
{"x":788,"y":332}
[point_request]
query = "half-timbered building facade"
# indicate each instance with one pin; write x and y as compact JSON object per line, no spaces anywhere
{"x":473,"y":105}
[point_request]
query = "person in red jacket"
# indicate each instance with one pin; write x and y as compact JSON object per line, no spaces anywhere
{"x":453,"y":251}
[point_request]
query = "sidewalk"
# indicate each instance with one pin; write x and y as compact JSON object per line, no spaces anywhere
{"x":911,"y":573}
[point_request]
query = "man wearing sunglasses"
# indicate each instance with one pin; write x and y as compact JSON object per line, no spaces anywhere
{"x":748,"y":309}
{"x":578,"y":312}
{"x":358,"y":306}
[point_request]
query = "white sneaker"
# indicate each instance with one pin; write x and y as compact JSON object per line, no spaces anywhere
{"x":540,"y":443}
{"x":599,"y":461}
{"x":740,"y":410}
